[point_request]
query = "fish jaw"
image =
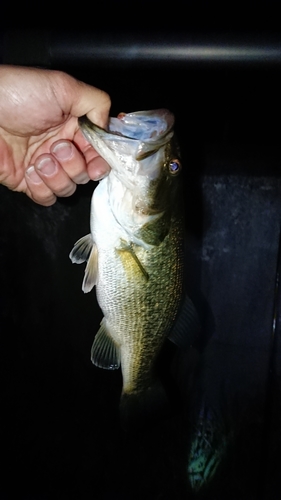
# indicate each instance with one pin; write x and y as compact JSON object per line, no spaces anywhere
{"x":136,"y":136}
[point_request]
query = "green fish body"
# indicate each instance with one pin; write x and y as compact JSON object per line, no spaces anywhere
{"x":134,"y":253}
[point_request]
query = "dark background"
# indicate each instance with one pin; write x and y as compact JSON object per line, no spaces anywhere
{"x":60,"y":432}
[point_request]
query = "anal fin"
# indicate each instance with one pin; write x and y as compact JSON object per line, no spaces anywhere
{"x":105,"y":354}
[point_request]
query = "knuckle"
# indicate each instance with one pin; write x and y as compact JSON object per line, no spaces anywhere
{"x":46,"y":201}
{"x":66,"y":191}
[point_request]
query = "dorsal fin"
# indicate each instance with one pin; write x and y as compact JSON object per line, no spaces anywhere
{"x":187,"y":325}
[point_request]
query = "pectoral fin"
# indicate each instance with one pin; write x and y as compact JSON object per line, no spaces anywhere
{"x":105,"y":353}
{"x":187,"y":325}
{"x":131,"y":261}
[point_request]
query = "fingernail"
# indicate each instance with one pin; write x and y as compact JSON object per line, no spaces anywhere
{"x":63,"y":151}
{"x":99,"y":178}
{"x":47,"y":166}
{"x":33,"y":176}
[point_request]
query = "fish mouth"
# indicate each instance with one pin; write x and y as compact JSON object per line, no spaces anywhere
{"x":133,"y":144}
{"x":150,"y":127}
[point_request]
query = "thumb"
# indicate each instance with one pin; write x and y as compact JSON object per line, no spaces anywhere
{"x":85,"y":99}
{"x":94,"y":103}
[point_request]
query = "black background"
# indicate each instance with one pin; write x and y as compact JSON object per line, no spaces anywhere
{"x":60,"y":432}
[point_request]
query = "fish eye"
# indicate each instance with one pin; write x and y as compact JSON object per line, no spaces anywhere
{"x":174,"y":166}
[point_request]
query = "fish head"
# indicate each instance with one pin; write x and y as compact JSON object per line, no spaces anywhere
{"x":143,"y":183}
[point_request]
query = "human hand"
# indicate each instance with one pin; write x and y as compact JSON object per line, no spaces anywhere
{"x":42,"y":151}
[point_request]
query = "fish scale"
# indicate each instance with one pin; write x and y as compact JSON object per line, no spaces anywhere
{"x":130,"y":305}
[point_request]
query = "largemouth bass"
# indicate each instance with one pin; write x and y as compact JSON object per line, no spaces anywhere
{"x":134,"y":252}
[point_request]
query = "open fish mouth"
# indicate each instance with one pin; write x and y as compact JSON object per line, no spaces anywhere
{"x":145,"y":126}
{"x":133,"y":144}
{"x":138,"y":135}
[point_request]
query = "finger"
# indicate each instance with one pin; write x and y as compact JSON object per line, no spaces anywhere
{"x":93,"y":102}
{"x":54,"y":176}
{"x":71,"y":160}
{"x":97,"y":167}
{"x":37,"y":189}
{"x":79,"y":98}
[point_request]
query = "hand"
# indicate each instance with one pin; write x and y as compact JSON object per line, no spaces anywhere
{"x":42,"y":151}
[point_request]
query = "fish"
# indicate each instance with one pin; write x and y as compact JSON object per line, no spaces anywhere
{"x":134,"y":252}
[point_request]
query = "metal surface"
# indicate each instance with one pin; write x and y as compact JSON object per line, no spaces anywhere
{"x":60,"y":435}
{"x":105,"y":48}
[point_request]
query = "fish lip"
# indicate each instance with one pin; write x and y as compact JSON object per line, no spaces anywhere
{"x":85,"y":124}
{"x":167,"y":117}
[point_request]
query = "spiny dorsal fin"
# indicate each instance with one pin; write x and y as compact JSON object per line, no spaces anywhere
{"x":105,"y":353}
{"x":187,"y":325}
{"x":91,"y":271}
{"x":81,"y":250}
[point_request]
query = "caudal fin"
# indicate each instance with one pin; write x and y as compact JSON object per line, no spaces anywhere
{"x":143,"y":408}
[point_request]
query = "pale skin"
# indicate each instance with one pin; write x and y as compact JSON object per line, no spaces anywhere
{"x":42,"y":151}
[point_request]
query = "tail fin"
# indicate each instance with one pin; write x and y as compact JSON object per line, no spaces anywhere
{"x":143,"y":408}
